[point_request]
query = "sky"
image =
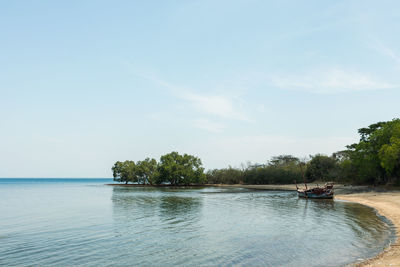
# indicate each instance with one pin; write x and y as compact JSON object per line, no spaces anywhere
{"x":86,"y":83}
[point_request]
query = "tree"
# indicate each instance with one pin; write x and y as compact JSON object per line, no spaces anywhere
{"x":375,"y":159}
{"x":320,"y":168}
{"x":389,"y":154}
{"x":180,"y":169}
{"x":117,"y":172}
{"x":147,"y":171}
{"x":284,"y":160}
{"x":125,"y":172}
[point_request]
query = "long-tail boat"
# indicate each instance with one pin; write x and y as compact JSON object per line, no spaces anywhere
{"x":324,"y":192}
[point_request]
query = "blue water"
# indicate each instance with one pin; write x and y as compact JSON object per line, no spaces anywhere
{"x":47,"y":181}
{"x":83,"y":222}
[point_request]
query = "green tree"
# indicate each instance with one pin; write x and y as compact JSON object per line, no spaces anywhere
{"x":225,"y":176}
{"x":147,"y":171}
{"x":320,"y":167}
{"x":125,"y":172}
{"x":375,"y":159}
{"x":180,"y":169}
{"x":389,"y":153}
{"x":284,"y":161}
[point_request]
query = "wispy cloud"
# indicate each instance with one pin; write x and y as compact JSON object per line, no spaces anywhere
{"x":385,"y":50}
{"x":330,"y":81}
{"x":208,"y":125}
{"x":217,"y":105}
{"x":222,"y":106}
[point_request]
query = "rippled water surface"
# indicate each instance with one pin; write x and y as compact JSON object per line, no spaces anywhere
{"x":84,"y":222}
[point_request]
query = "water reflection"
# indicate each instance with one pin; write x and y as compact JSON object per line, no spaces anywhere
{"x":180,"y":207}
{"x":131,"y":205}
{"x":360,"y":221}
{"x":363,"y":224}
{"x":236,"y":225}
{"x":126,"y":226}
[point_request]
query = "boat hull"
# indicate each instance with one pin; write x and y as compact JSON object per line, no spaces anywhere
{"x":324,"y":195}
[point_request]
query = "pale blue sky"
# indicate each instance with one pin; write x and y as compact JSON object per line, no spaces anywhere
{"x":86,"y":83}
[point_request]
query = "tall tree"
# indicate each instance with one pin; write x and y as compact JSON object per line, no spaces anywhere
{"x":125,"y":172}
{"x":180,"y":169}
{"x":320,"y":168}
{"x":147,"y":171}
{"x":375,"y":158}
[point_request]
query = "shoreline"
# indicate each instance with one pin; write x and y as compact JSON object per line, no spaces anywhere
{"x":387,"y":204}
{"x":340,"y":189}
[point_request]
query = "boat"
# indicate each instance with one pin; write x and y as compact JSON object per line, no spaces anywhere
{"x":325,"y":192}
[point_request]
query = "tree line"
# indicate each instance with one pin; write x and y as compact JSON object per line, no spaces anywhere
{"x":375,"y":159}
{"x":173,"y":169}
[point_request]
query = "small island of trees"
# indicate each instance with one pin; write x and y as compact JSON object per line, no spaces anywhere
{"x":374,"y":160}
{"x":172,"y":169}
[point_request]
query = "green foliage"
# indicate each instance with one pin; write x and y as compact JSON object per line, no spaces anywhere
{"x":375,"y":159}
{"x":285,"y":161}
{"x":280,"y":170}
{"x":125,"y":172}
{"x":389,"y":154}
{"x":225,"y":176}
{"x":271,"y":175}
{"x":321,"y":168}
{"x":181,"y":169}
{"x":173,"y":168}
{"x":147,"y":171}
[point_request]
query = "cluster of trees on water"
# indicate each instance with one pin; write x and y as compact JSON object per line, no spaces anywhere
{"x":173,"y":169}
{"x":375,"y":159}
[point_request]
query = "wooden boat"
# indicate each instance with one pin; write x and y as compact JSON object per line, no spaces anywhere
{"x":325,"y":192}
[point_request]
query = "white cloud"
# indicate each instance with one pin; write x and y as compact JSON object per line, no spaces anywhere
{"x":331,"y":81}
{"x":217,"y":105}
{"x":222,"y":106}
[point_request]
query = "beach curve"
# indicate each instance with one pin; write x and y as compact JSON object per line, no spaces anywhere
{"x":386,"y":204}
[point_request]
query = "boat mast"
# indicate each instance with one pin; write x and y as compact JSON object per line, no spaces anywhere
{"x":302,"y":174}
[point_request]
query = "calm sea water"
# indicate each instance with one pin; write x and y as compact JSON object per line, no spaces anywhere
{"x":84,"y":222}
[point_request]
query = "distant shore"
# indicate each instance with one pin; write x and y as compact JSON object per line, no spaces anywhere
{"x":159,"y":185}
{"x":340,"y":189}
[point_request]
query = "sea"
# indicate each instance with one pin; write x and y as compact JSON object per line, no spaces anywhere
{"x":85,"y":222}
